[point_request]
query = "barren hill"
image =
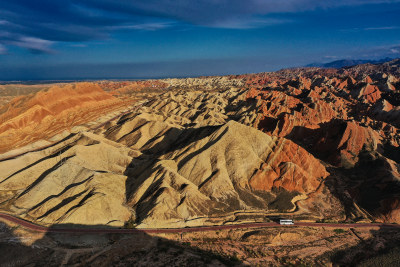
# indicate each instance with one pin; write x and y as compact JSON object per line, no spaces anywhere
{"x":315,"y":144}
{"x":40,"y":115}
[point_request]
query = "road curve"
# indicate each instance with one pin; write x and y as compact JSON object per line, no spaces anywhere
{"x":38,"y":228}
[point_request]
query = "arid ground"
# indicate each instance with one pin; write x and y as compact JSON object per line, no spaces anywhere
{"x":309,"y":144}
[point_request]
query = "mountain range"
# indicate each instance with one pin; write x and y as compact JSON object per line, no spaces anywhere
{"x":342,"y":63}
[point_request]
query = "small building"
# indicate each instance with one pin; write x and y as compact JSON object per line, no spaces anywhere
{"x":286,"y":222}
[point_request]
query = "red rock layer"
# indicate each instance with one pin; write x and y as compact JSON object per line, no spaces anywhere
{"x":30,"y":118}
{"x":293,"y":169}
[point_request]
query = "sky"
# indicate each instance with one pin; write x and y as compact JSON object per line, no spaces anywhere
{"x":122,"y":39}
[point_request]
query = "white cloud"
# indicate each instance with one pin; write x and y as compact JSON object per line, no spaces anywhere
{"x":331,"y":57}
{"x":249,"y":23}
{"x":36,"y":28}
{"x":144,"y":26}
{"x":78,"y":45}
{"x":382,"y":28}
{"x":3,"y":49}
{"x":221,"y":13}
{"x":33,"y":44}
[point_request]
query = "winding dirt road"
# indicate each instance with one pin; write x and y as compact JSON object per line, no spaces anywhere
{"x":38,"y":228}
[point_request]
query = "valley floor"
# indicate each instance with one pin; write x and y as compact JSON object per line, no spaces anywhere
{"x":299,"y":245}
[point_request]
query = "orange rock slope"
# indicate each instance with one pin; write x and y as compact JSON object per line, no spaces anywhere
{"x":348,"y":118}
{"x":39,"y":116}
{"x":293,"y":169}
{"x":311,"y":108}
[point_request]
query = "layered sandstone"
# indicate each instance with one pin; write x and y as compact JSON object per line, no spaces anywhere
{"x":41,"y":115}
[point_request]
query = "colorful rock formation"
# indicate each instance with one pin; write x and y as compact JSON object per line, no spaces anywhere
{"x":27,"y":119}
{"x":319,"y":144}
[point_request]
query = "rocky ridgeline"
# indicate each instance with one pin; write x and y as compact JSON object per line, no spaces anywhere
{"x":349,"y":118}
{"x":206,"y":83}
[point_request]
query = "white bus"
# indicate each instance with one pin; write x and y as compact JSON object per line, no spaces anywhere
{"x":286,"y":222}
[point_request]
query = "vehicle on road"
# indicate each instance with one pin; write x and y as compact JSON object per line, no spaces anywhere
{"x":286,"y":222}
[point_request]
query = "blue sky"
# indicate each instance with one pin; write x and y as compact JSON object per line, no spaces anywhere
{"x":71,"y":39}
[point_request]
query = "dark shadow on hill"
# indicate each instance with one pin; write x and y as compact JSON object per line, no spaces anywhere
{"x":323,"y":142}
{"x":147,"y":164}
{"x":381,"y":249}
{"x":393,"y":97}
{"x":144,"y":165}
{"x":366,"y":179}
{"x":41,"y":148}
{"x":103,"y":249}
{"x":370,"y":184}
{"x":391,"y":152}
{"x":240,"y":109}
